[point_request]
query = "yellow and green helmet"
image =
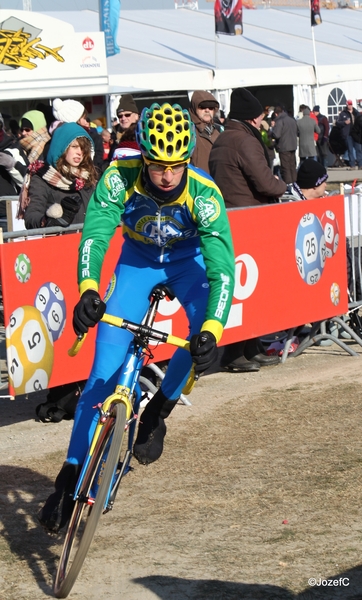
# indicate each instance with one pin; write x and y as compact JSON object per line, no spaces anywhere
{"x":166,"y":133}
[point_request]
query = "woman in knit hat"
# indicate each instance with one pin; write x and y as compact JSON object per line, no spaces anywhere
{"x":34,"y":134}
{"x":56,"y":193}
{"x":72,"y":111}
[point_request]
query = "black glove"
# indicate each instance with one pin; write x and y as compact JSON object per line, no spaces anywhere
{"x":88,"y":312}
{"x":203,"y":350}
{"x":70,"y":206}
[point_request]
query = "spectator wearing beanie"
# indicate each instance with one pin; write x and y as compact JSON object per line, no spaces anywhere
{"x":239,"y":163}
{"x":72,"y":111}
{"x":202,"y":111}
{"x":239,"y":160}
{"x":311,"y":182}
{"x":34,"y":134}
{"x":127,"y":113}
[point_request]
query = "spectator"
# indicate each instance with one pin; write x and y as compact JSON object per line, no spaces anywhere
{"x":13,"y":166}
{"x":107,"y":144}
{"x":72,"y":111}
{"x":128,"y":146}
{"x":285,"y":133}
{"x":345,"y":123}
{"x":56,"y":193}
{"x":311,"y":182}
{"x":127,"y":113}
{"x":356,"y":134}
{"x":307,"y":127}
{"x":202,"y":110}
{"x":239,"y":163}
{"x":322,"y":142}
{"x":34,"y":134}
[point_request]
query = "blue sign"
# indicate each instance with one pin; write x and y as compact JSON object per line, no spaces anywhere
{"x":109,"y":11}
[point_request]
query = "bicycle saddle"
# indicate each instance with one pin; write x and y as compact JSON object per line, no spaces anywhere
{"x":160,"y":290}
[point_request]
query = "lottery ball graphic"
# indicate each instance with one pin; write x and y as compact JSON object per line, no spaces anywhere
{"x":22,"y":268}
{"x":30,"y":351}
{"x":310,"y":249}
{"x":335,"y":293}
{"x":49,"y":300}
{"x":331,"y":232}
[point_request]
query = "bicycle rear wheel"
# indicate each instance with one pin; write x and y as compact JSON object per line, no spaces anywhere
{"x":84,"y":520}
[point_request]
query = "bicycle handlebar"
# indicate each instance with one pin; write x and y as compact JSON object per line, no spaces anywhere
{"x":135,"y":328}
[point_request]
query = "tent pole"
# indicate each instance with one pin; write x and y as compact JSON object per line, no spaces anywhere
{"x":216,"y":53}
{"x":316,"y":91}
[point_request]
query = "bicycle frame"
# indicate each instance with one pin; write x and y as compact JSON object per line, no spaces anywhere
{"x":128,"y":390}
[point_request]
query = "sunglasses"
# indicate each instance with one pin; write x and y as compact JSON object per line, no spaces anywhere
{"x":125,"y":115}
{"x":26,"y":129}
{"x":162,"y":168}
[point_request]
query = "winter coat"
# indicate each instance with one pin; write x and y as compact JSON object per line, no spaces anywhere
{"x":285,"y":133}
{"x":42,"y":195}
{"x":307,"y":127}
{"x":239,"y":167}
{"x":356,"y":130}
{"x":205,"y":134}
{"x":344,"y":116}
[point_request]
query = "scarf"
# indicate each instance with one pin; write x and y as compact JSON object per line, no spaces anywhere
{"x":34,"y":143}
{"x":256,"y":133}
{"x":53,"y":178}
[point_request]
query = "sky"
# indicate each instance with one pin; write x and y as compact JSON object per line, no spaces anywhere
{"x":49,"y":5}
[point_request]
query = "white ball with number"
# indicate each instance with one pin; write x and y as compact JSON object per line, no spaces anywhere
{"x":331,"y":232}
{"x":22,"y":268}
{"x":50,"y":301}
{"x":30,"y":351}
{"x":310,"y":249}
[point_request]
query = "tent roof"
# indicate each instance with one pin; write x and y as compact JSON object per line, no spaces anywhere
{"x":176,"y":49}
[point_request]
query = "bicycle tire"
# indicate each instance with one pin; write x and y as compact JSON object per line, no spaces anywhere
{"x":65,"y":578}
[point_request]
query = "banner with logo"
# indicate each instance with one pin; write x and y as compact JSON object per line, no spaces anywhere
{"x":290,"y":269}
{"x":228,"y":17}
{"x":109,"y":11}
{"x":315,"y":13}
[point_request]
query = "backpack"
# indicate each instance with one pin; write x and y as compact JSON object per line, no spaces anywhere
{"x":61,"y":403}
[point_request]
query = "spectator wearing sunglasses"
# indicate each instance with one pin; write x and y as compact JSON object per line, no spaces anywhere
{"x":203,"y":108}
{"x":127,"y":113}
{"x":34,"y":134}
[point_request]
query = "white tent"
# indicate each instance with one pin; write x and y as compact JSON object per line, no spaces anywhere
{"x":166,"y":50}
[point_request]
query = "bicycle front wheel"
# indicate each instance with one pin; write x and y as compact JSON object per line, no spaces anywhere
{"x":84,"y":520}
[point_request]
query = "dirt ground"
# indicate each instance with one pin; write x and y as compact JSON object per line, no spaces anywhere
{"x":258,"y":491}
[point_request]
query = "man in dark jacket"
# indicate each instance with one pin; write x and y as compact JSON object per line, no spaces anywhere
{"x":239,"y":164}
{"x":345,"y":123}
{"x":322,"y":142}
{"x":239,"y":160}
{"x":202,"y":110}
{"x":285,"y":132}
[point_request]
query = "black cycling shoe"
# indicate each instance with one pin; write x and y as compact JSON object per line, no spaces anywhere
{"x":58,"y":508}
{"x":148,"y":446}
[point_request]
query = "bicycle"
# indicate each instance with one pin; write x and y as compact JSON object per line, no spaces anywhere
{"x":104,"y":468}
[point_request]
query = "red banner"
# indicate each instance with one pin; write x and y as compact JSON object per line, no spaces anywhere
{"x":290,"y":266}
{"x":228,"y":17}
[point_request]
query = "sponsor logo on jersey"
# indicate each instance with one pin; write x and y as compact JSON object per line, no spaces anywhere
{"x":224,"y":295}
{"x":209,"y":209}
{"x":85,"y":258}
{"x":115,"y":184}
{"x":163,"y":230}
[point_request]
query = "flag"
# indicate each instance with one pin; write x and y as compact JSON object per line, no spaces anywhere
{"x":109,"y":11}
{"x":228,"y":17}
{"x":315,"y":13}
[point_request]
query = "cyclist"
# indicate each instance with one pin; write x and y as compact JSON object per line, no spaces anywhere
{"x":176,"y":232}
